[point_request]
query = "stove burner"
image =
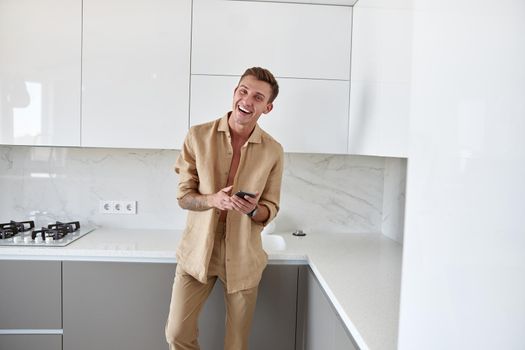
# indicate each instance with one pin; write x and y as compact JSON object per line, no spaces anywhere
{"x":56,"y":231}
{"x":7,"y":230}
{"x":69,"y":226}
{"x":11,"y":229}
{"x":23,"y":226}
{"x":57,"y":234}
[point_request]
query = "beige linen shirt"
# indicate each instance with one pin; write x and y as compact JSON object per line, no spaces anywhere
{"x":203,"y":167}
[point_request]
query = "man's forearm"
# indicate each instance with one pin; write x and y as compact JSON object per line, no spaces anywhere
{"x":195,"y":201}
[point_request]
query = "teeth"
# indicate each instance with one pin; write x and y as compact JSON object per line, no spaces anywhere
{"x":244,"y":110}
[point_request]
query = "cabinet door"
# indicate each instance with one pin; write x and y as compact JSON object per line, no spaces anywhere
{"x":116,"y":305}
{"x":319,"y":326}
{"x":136,"y":72}
{"x":30,"y":341}
{"x":30,"y":295}
{"x":40,"y":72}
{"x":292,"y":40}
{"x":324,"y":2}
{"x":274,"y":320}
{"x":309,"y":116}
{"x":381,"y":74}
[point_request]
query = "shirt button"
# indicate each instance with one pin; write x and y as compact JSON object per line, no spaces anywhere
{"x":227,"y":259}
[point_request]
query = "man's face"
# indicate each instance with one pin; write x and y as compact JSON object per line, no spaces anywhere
{"x":250,"y":100}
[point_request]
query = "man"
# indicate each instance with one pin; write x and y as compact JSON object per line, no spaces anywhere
{"x":222,"y":236}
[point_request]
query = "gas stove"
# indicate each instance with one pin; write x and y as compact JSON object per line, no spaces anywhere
{"x":24,"y":233}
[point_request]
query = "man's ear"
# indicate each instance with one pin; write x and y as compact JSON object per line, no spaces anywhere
{"x":268,"y":108}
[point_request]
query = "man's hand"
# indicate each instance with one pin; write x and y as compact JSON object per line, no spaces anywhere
{"x":221,"y":200}
{"x":244,"y":205}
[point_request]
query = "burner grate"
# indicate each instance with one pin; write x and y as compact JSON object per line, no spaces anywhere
{"x":23,"y":226}
{"x":8,"y":230}
{"x":12,"y":228}
{"x":57,"y":230}
{"x":57,"y":234}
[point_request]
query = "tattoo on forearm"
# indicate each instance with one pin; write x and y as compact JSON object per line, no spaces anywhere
{"x":195,"y":202}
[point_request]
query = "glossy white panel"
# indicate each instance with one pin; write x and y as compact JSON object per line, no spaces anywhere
{"x":322,"y":2}
{"x":292,"y":40}
{"x":309,"y":116}
{"x":379,"y":119}
{"x":40,"y":72}
{"x":135,"y":73}
{"x":385,"y":4}
{"x":380,"y":93}
{"x":463,"y":280}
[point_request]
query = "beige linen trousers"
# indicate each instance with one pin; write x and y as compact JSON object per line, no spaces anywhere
{"x":189,"y":296}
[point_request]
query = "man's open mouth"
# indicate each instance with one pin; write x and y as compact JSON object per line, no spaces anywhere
{"x":244,"y":110}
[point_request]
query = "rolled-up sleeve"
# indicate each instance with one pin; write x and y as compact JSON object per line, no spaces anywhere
{"x":271,"y":195}
{"x":186,"y":167}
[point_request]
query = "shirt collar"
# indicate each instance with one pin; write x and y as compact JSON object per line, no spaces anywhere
{"x":255,"y":137}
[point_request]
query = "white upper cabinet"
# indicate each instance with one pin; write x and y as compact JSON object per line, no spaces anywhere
{"x":381,"y":74}
{"x":291,"y":40}
{"x":135,"y":81}
{"x":309,"y":116}
{"x":306,"y":46}
{"x":40,"y":72}
{"x":322,"y":2}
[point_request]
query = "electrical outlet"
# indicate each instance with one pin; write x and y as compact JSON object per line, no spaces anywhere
{"x":117,"y":207}
{"x":126,"y":207}
{"x":106,"y":207}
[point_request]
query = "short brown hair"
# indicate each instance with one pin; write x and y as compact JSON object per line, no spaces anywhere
{"x":266,"y":76}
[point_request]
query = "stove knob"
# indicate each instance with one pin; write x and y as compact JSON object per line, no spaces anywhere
{"x":17,"y":239}
{"x":49,"y":240}
{"x":28,"y":239}
{"x":38,"y":240}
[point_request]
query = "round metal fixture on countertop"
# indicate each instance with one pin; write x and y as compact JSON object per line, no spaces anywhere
{"x":299,"y":233}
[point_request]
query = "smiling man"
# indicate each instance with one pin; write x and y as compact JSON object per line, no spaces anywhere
{"x":222,"y":236}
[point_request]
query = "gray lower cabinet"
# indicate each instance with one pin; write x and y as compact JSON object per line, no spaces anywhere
{"x":113,"y":305}
{"x":30,"y":295}
{"x":116,"y":305}
{"x":274,"y":320}
{"x":319,"y":325}
{"x":125,"y":305}
{"x":30,"y":341}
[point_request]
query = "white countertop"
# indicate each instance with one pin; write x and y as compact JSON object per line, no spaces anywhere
{"x":360,"y":272}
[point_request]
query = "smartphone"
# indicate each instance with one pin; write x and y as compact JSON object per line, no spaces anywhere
{"x":241,"y":194}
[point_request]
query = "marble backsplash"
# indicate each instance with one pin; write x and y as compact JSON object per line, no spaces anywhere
{"x":339,"y":193}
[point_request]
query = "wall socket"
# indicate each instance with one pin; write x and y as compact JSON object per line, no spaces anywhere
{"x":117,"y":207}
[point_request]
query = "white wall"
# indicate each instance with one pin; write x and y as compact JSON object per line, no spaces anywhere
{"x":463,"y":283}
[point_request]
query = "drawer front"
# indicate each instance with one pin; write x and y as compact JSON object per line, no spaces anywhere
{"x":31,"y":341}
{"x":30,"y":294}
